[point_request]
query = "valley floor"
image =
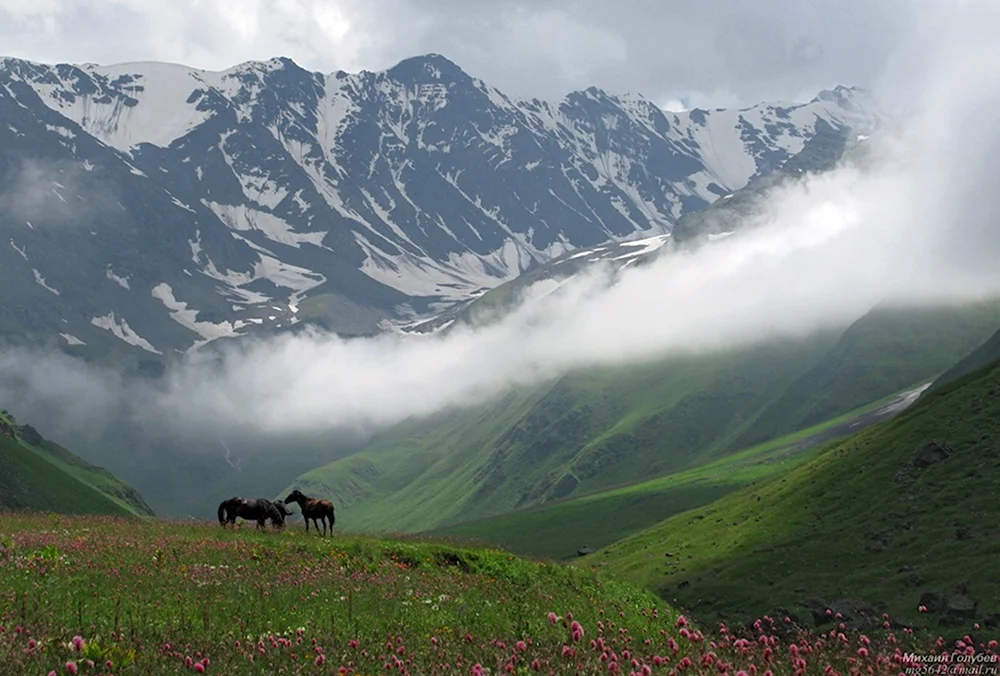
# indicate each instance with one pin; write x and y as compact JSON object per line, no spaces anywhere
{"x":561,"y":529}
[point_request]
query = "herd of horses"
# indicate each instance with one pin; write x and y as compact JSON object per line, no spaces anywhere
{"x":260,"y":510}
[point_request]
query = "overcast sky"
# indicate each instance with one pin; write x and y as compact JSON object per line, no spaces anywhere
{"x":699,"y":52}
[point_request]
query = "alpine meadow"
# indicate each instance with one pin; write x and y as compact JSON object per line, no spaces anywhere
{"x":338,"y":338}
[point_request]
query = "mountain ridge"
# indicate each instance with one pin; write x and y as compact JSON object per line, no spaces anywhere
{"x":383,"y":196}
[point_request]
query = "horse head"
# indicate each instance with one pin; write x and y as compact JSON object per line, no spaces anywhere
{"x":282,"y":507}
{"x":276,"y":516}
{"x":296,"y":496}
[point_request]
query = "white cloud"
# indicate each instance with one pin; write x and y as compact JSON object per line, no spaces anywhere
{"x":674,"y":106}
{"x":751,"y":51}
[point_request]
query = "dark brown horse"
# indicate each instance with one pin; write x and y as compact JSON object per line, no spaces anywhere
{"x":315,"y":509}
{"x":259,"y":510}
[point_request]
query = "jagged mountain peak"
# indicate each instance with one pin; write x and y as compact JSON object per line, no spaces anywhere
{"x":843,"y":95}
{"x":429,"y":67}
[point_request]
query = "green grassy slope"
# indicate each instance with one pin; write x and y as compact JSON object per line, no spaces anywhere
{"x":887,"y":350}
{"x":559,"y":529}
{"x":603,"y":428}
{"x":862,"y":520}
{"x":581,"y":433}
{"x":38,"y":474}
{"x":986,"y":353}
{"x":196,"y":598}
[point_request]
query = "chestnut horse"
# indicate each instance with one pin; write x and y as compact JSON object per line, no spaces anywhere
{"x":313,"y":508}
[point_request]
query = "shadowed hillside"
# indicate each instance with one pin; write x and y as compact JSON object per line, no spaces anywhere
{"x":899,"y":516}
{"x":40,"y":475}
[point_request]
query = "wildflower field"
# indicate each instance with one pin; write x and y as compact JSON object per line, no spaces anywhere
{"x":101,"y":595}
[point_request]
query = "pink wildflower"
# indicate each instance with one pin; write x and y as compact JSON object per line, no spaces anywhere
{"x":199,"y":667}
{"x":71,"y":667}
{"x":553,"y":618}
{"x":320,"y":659}
{"x":78,"y":643}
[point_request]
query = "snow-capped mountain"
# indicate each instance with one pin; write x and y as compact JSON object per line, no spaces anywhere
{"x":827,"y":148}
{"x":163,"y":206}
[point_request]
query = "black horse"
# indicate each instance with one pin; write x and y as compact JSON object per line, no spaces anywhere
{"x":283,"y":510}
{"x":259,"y":510}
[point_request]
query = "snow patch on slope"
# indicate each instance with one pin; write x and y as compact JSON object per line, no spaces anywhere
{"x":242,"y":217}
{"x":156,"y":110}
{"x":121,"y":330}
{"x":19,"y":250}
{"x":188,"y":318}
{"x":41,"y":281}
{"x":71,"y":339}
{"x":648,"y":245}
{"x":285,"y":275}
{"x":120,"y":281}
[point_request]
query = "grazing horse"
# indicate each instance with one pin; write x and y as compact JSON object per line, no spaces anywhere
{"x":259,"y":510}
{"x":315,"y":509}
{"x":283,"y":511}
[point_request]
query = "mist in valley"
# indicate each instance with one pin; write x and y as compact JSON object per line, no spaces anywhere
{"x":916,"y":224}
